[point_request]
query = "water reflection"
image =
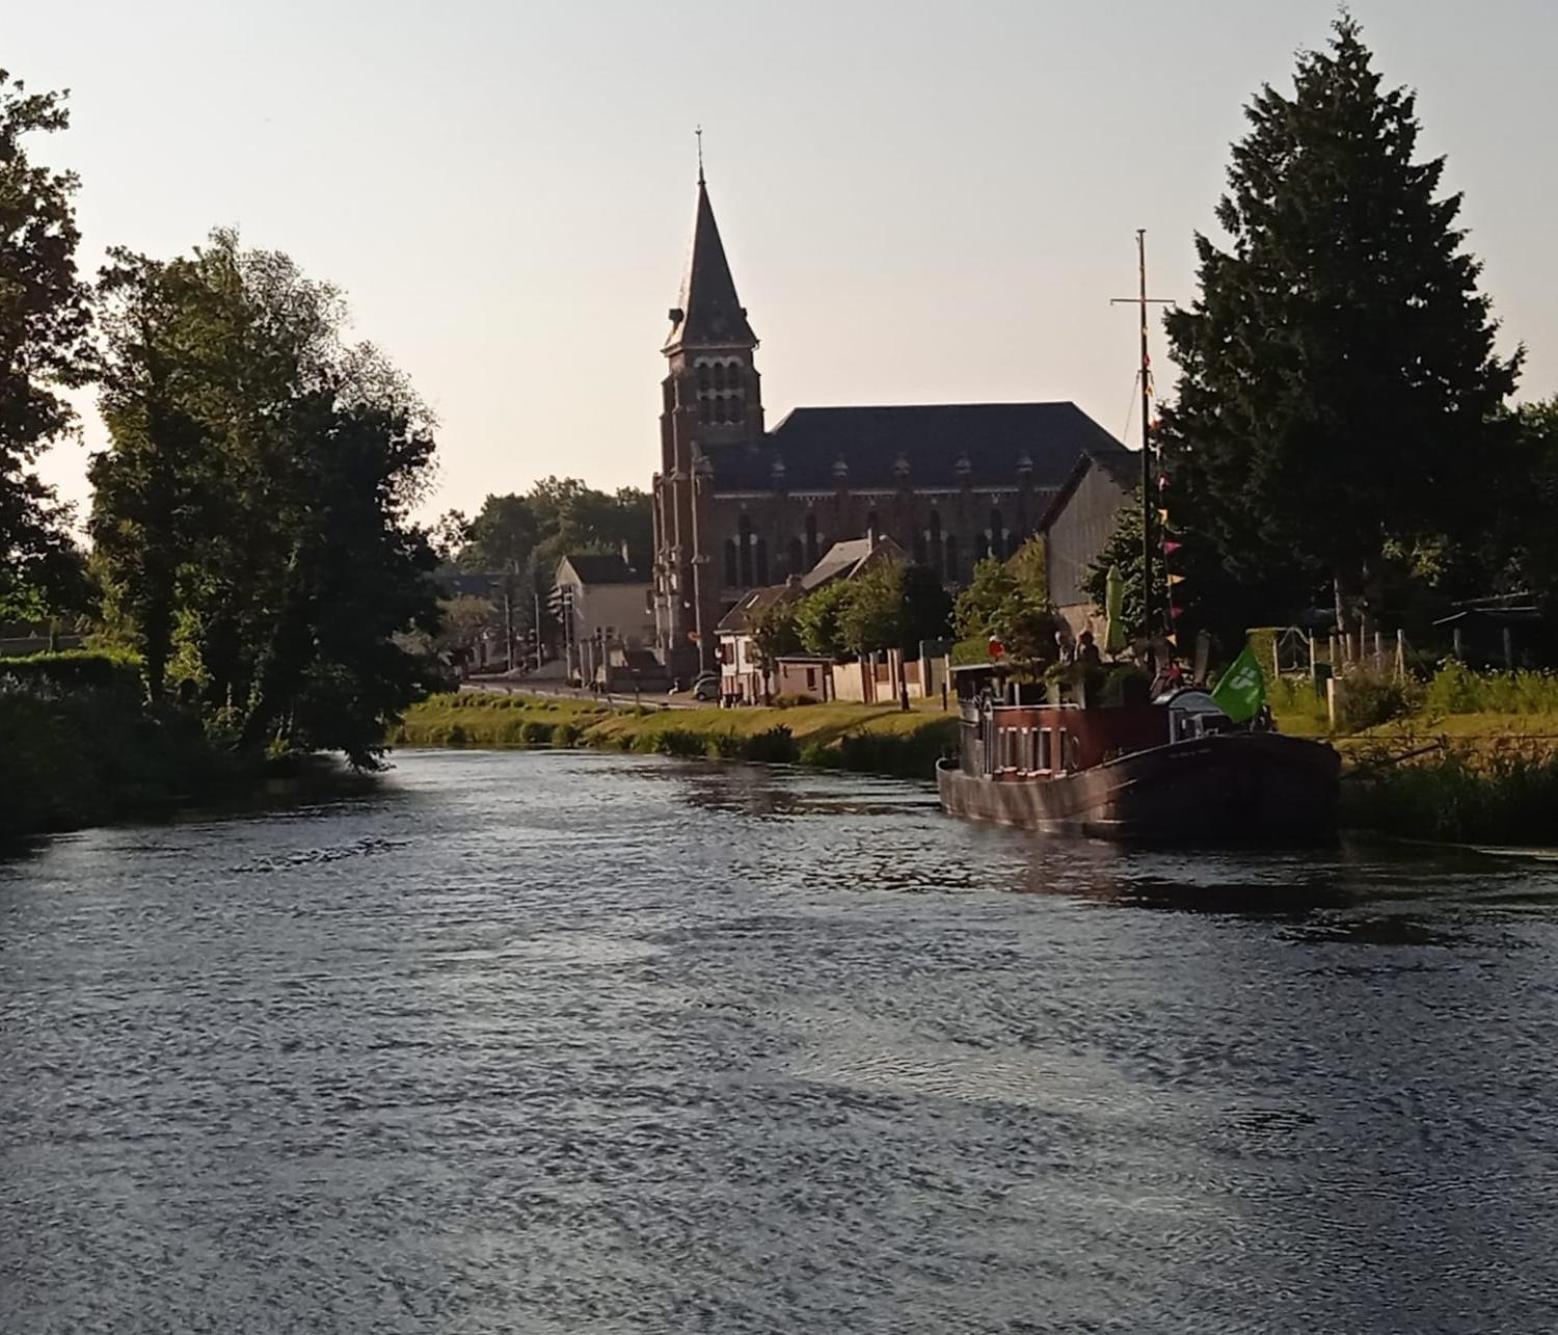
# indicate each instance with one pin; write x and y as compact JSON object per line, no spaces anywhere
{"x":566,"y":1042}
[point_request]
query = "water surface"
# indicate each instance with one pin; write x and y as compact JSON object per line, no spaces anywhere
{"x":570,"y":1042}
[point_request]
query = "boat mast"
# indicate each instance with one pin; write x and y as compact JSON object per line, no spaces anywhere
{"x":1148,"y":482}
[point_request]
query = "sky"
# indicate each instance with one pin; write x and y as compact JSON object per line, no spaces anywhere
{"x":922,"y":202}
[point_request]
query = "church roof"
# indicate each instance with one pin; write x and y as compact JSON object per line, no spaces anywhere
{"x":927,"y":445}
{"x":709,"y":314}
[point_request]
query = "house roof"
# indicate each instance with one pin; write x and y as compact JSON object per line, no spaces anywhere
{"x":738,"y":621}
{"x":941,"y":444}
{"x":843,"y":560}
{"x":709,"y":314}
{"x":600,"y":568}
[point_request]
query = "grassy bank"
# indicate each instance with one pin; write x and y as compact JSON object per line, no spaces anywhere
{"x":865,"y":738}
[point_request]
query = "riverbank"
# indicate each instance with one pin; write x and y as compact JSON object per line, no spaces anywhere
{"x":1467,"y":778}
{"x":873,"y":739}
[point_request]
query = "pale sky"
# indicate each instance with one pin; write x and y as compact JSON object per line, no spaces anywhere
{"x":922,"y":203}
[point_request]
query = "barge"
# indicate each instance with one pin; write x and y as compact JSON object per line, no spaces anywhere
{"x":1171,"y":769}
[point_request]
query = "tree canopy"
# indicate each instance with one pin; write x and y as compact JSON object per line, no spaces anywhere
{"x":251,"y":512}
{"x":45,"y":330}
{"x":1339,"y":387}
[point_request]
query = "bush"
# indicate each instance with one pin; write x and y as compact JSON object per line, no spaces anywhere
{"x":819,"y":755}
{"x":1506,"y":797}
{"x":1366,"y":699}
{"x":725,"y":746}
{"x":74,"y":670}
{"x":674,"y":742}
{"x":1456,"y":689}
{"x":567,"y":734}
{"x":537,"y":732}
{"x":774,"y":747}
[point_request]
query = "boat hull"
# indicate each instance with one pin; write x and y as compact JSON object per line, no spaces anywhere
{"x":1226,"y":788}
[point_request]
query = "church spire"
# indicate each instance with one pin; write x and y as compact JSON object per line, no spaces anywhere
{"x":710,"y":314}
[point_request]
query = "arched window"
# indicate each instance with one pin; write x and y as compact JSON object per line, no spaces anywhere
{"x":762,"y":561}
{"x":997,"y":536}
{"x":745,"y":551}
{"x":735,"y":410}
{"x":796,"y":555}
{"x":703,"y":410}
{"x":811,"y":541}
{"x":981,"y":546}
{"x":730,"y":563}
{"x":873,"y":524}
{"x":937,"y":557}
{"x":952,"y":571}
{"x":703,"y":375}
{"x":919,"y":547}
{"x":719,"y":375}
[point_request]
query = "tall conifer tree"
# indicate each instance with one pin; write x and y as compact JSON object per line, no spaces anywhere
{"x":1339,"y":383}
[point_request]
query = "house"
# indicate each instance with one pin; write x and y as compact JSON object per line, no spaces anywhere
{"x":742,"y":677}
{"x":874,"y":679}
{"x":603,"y":608}
{"x":1077,"y":527}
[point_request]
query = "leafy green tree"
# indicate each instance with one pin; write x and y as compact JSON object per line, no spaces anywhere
{"x":817,"y":620}
{"x":978,"y":607}
{"x":1339,"y":387}
{"x":775,"y":633}
{"x":871,"y":613}
{"x":45,"y":324}
{"x":252,"y":512}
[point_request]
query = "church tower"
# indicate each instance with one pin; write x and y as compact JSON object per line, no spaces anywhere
{"x":712,"y":402}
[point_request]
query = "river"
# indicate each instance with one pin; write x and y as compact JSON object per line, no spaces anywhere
{"x":549,"y":1042}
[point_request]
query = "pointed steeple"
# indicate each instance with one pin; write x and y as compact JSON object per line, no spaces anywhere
{"x":710,"y":313}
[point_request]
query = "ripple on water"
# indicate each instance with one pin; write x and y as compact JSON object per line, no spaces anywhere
{"x":573,"y":1042}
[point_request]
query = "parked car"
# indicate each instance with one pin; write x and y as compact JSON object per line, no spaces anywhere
{"x":706,"y":687}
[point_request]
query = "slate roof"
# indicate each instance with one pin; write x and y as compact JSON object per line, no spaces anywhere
{"x":709,"y":313}
{"x":932,"y":439}
{"x":738,"y":621}
{"x":594,"y":568}
{"x":843,"y":560}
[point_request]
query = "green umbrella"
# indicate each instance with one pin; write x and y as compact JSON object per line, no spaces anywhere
{"x":1114,"y":597}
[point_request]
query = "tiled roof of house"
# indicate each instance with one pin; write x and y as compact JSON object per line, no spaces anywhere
{"x":598,"y":568}
{"x":738,"y":621}
{"x":940,"y":444}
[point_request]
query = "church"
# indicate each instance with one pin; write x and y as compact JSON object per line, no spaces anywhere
{"x":738,"y":506}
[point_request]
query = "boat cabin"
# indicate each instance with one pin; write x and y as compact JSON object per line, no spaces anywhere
{"x":1026,"y":730}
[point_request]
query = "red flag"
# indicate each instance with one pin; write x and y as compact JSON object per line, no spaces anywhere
{"x":997,"y":649}
{"x":1170,"y":546}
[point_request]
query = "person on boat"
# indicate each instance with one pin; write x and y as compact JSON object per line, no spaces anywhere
{"x":1065,"y":649}
{"x":1087,"y":652}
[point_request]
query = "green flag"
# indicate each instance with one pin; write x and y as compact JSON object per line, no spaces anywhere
{"x":1242,"y":691}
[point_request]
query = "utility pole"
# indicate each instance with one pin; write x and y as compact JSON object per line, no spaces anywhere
{"x":1149,"y":487}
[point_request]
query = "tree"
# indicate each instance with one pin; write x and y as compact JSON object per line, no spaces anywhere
{"x":1000,"y":605}
{"x":978,"y":607}
{"x":252,"y":510}
{"x":775,"y":633}
{"x":1123,"y":553}
{"x":871,"y":612}
{"x":817,"y":620}
{"x":1339,"y":390}
{"x":44,"y":348}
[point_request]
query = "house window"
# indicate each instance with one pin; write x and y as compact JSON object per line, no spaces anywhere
{"x":811,"y":679}
{"x":1046,"y":738}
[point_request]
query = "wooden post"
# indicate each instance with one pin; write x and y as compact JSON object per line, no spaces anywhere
{"x":1509,"y":648}
{"x":1379,"y":652}
{"x":1330,"y":701}
{"x":1311,"y":655}
{"x":1276,"y":658}
{"x":1401,"y":654}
